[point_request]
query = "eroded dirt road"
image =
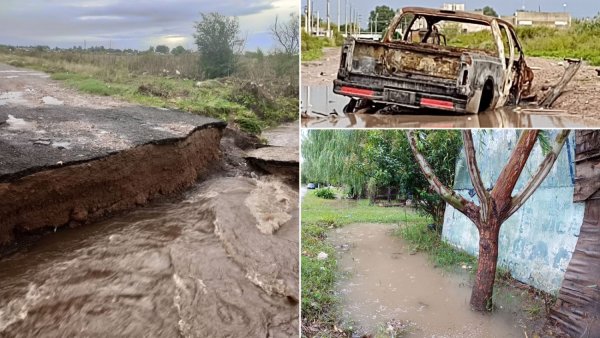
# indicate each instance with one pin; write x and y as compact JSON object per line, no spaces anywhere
{"x":385,"y":282}
{"x":574,"y":109}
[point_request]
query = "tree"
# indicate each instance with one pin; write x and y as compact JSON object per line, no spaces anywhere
{"x":383,"y":15}
{"x":162,"y":49}
{"x":287,"y":34}
{"x":487,"y":10}
{"x":178,"y":50}
{"x":151,"y":49}
{"x":368,"y":161}
{"x":495,"y":206}
{"x":218,"y":41}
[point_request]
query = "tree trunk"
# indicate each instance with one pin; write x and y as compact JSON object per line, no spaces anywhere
{"x":481,"y":296}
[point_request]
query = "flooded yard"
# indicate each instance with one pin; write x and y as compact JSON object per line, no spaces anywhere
{"x":383,"y":280}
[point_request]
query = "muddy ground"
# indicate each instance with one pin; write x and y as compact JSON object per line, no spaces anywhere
{"x":579,"y":101}
{"x":387,"y":288}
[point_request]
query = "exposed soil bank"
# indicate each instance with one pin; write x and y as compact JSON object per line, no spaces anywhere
{"x":83,"y":192}
{"x":386,"y":282}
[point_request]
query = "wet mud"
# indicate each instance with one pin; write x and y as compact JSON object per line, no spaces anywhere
{"x":383,"y":281}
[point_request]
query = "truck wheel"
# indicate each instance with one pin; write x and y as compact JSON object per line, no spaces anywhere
{"x":487,"y":96}
{"x":349,"y":108}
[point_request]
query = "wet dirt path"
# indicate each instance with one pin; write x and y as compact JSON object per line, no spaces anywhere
{"x":384,"y":282}
{"x":578,"y":102}
{"x":35,"y":89}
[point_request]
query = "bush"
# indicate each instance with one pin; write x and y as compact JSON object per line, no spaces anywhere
{"x":325,"y":193}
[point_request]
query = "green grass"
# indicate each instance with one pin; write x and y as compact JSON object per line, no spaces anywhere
{"x":249,"y":106}
{"x":579,"y":41}
{"x":318,"y":276}
{"x":442,"y":254}
{"x":342,"y":212}
{"x":312,"y":46}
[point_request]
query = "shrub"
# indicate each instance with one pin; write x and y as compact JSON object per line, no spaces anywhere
{"x":325,"y":193}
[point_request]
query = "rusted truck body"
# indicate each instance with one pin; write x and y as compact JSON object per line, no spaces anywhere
{"x":416,"y":69}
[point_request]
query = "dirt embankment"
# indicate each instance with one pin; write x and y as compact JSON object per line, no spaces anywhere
{"x":580,"y":99}
{"x":85,"y":192}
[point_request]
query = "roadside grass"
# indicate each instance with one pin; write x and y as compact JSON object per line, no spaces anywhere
{"x":578,"y":41}
{"x":312,"y":46}
{"x":251,"y":105}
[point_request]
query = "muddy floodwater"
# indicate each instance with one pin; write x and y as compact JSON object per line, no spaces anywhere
{"x":384,"y":281}
{"x":222,"y":261}
{"x":319,"y":102}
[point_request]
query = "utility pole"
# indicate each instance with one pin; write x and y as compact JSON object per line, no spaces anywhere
{"x":328,"y":21}
{"x":346,"y":16}
{"x":351,"y":19}
{"x":309,"y":15}
{"x":318,"y":24}
{"x":338,"y":15}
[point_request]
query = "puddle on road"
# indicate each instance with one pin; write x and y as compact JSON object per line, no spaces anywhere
{"x":321,"y":99}
{"x":49,"y":100}
{"x":280,"y":136}
{"x":385,"y":282}
{"x":12,"y":98}
{"x":18,"y":124}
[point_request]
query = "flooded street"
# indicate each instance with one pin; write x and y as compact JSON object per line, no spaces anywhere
{"x":321,"y":101}
{"x":383,"y":281}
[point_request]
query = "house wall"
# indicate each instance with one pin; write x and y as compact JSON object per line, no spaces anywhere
{"x":537,"y":242}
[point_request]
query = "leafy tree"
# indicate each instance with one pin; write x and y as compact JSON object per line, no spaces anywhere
{"x":162,"y":49}
{"x":487,"y":10}
{"x":151,"y":49}
{"x":287,"y":34}
{"x":495,"y":206}
{"x":218,"y":41}
{"x":384,"y":16}
{"x":367,"y":161}
{"x":178,"y":50}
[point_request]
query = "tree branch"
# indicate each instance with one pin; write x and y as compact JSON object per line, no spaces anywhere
{"x":501,"y":194}
{"x":541,"y":173}
{"x":466,"y":207}
{"x":473,"y":168}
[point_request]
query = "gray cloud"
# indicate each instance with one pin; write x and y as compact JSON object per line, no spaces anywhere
{"x":129,"y":24}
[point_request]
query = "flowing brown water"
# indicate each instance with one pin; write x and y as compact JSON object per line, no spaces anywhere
{"x":386,"y":282}
{"x":221,"y":261}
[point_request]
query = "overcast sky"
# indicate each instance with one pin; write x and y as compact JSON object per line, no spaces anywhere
{"x":577,"y":8}
{"x":134,"y":24}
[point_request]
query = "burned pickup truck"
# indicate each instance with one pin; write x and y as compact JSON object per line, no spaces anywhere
{"x":414,"y":67}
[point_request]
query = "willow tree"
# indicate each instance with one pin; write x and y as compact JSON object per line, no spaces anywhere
{"x":335,"y":157}
{"x":494,"y":206}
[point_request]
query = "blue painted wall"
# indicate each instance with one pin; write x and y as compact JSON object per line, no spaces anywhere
{"x":536,"y":243}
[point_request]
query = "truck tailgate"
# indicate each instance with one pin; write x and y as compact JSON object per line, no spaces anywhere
{"x":402,"y":59}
